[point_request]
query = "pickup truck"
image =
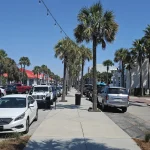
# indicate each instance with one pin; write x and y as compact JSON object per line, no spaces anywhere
{"x":17,"y":88}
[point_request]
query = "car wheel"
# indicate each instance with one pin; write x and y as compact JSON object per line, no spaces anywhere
{"x":36,"y":118}
{"x":27,"y":126}
{"x":2,"y":95}
{"x":124,"y":109}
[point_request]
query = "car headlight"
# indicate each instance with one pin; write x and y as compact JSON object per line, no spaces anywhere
{"x":20,"y":117}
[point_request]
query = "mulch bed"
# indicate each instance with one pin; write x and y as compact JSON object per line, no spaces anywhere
{"x":142,"y":144}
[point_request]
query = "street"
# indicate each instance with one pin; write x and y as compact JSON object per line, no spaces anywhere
{"x":135,"y":122}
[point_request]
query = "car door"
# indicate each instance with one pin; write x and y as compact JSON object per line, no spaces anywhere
{"x":32,"y":109}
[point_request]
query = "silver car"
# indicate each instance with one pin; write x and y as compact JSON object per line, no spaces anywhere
{"x":114,"y":97}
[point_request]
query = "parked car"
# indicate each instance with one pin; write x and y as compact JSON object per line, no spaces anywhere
{"x":17,"y":112}
{"x":114,"y":97}
{"x":43,"y":94}
{"x":11,"y":89}
{"x":3,"y":91}
{"x":58,"y":91}
{"x":22,"y":88}
{"x":85,"y":88}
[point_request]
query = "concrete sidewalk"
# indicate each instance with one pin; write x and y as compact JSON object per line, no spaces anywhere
{"x":74,"y":128}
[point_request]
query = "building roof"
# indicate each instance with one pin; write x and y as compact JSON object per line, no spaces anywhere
{"x":30,"y":74}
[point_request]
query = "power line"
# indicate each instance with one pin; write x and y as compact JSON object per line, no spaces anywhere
{"x":56,"y":22}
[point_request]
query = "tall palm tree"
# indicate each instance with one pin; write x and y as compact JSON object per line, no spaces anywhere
{"x":121,"y":55}
{"x":24,"y":61}
{"x":36,"y":71}
{"x":138,"y":52}
{"x":11,"y":69}
{"x":99,"y":27}
{"x":146,"y":39}
{"x":44,"y":70}
{"x":64,"y":49}
{"x":108,"y":63}
{"x":129,"y":66}
{"x":86,"y":54}
{"x":3,"y":56}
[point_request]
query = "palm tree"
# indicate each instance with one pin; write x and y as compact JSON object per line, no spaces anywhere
{"x":24,"y":61}
{"x":138,"y":52}
{"x":120,"y":56}
{"x":3,"y":56}
{"x":64,"y":49}
{"x":99,"y":27}
{"x":10,"y":67}
{"x":129,"y":66}
{"x":146,"y":39}
{"x":36,"y":71}
{"x":108,"y":63}
{"x":86,"y":54}
{"x":44,"y":70}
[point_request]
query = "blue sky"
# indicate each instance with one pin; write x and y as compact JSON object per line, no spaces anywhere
{"x":26,"y":30}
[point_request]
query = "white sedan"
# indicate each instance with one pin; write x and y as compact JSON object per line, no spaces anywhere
{"x":17,"y":112}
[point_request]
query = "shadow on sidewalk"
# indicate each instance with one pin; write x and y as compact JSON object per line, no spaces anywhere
{"x":74,"y":144}
{"x":69,"y":106}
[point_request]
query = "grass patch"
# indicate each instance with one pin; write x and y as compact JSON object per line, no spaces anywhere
{"x":143,"y":144}
{"x":15,"y":143}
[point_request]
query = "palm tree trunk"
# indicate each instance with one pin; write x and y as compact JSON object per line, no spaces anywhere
{"x":82,"y":78}
{"x":94,"y":75}
{"x":141,"y":83}
{"x":148,"y":73}
{"x":107,"y":74}
{"x":37,"y":79}
{"x":130,"y":81}
{"x":122,"y":74}
{"x":23,"y":74}
{"x":64,"y":81}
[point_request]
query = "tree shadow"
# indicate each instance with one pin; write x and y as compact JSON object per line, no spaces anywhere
{"x":73,"y":144}
{"x":110,"y":109}
{"x":69,"y":106}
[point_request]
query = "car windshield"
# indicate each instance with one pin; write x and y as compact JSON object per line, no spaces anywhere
{"x":13,"y":102}
{"x":117,"y":91}
{"x":40,"y":89}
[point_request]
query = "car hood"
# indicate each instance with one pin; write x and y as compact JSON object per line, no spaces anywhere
{"x":40,"y":93}
{"x":11,"y":112}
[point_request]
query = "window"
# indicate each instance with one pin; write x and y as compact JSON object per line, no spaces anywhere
{"x":40,"y":89}
{"x":117,"y":91}
{"x":30,"y":100}
{"x":13,"y":102}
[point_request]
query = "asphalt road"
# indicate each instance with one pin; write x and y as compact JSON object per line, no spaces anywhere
{"x":132,"y":122}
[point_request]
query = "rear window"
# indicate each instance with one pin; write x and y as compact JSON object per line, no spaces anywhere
{"x":117,"y":91}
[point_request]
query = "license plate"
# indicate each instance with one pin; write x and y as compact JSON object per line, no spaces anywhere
{"x":1,"y":128}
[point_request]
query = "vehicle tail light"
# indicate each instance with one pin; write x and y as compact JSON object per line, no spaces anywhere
{"x":107,"y":97}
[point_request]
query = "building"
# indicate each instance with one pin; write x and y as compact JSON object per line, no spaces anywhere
{"x":32,"y":78}
{"x":133,"y":81}
{"x":101,"y":68}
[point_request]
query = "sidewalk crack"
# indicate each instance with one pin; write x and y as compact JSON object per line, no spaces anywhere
{"x":82,"y":131}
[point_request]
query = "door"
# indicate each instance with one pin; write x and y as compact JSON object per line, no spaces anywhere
{"x":32,"y":109}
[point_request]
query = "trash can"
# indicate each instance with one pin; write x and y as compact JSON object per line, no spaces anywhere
{"x":77,"y":99}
